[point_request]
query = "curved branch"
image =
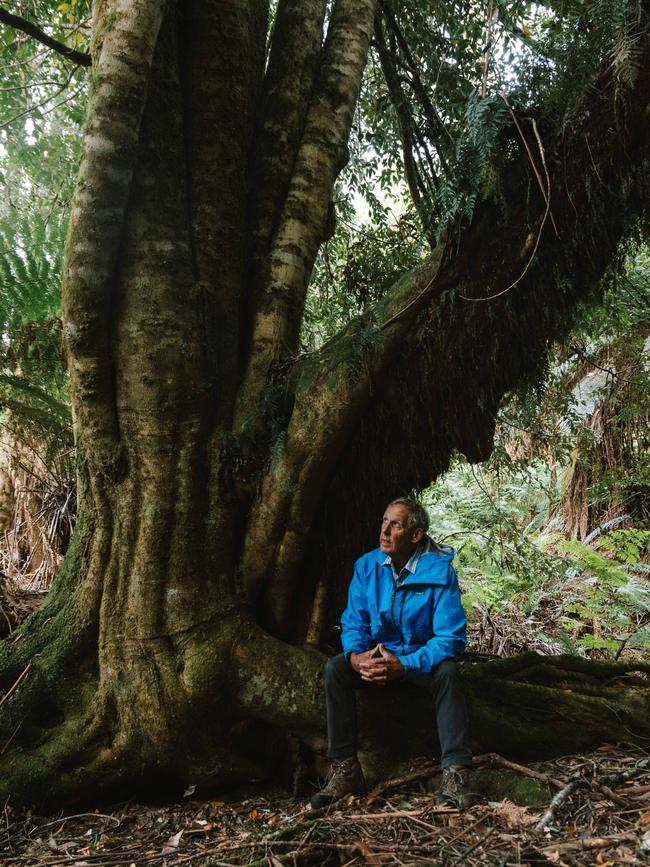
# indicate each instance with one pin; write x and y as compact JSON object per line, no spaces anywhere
{"x":405,"y":123}
{"x":332,"y":390}
{"x":409,"y":64}
{"x":302,"y":226}
{"x":18,"y":23}
{"x":43,"y":102}
{"x":436,"y":366}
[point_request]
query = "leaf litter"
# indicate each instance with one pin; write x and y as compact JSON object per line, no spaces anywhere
{"x":599,"y":815}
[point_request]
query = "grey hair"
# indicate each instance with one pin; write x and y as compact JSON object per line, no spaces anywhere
{"x":418,"y":516}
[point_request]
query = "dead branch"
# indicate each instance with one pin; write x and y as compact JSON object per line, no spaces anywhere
{"x":589,"y":843}
{"x":424,"y":773}
{"x":598,"y":781}
{"x":558,"y":800}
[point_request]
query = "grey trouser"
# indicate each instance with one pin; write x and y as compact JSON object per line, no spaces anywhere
{"x":444,"y":686}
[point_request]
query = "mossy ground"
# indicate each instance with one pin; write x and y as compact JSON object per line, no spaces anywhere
{"x":501,"y":784}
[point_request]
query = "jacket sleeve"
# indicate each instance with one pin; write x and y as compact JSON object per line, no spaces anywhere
{"x":355,"y":620}
{"x":448,"y":630}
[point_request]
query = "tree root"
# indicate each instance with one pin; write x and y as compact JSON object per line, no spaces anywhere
{"x":64,"y":741}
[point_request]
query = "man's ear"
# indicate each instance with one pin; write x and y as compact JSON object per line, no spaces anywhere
{"x":418,"y":535}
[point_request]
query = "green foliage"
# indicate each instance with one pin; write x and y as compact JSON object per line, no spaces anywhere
{"x":585,"y":600}
{"x":42,"y":103}
{"x":476,"y":169}
{"x":506,"y":517}
{"x":356,"y":267}
{"x":613,"y":338}
{"x":30,"y":270}
{"x":492,"y":518}
{"x":451,"y":62}
{"x":626,"y":546}
{"x":33,"y":378}
{"x":611,"y":603}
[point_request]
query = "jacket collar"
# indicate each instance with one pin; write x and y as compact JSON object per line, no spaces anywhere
{"x":430,"y":558}
{"x":412,"y":563}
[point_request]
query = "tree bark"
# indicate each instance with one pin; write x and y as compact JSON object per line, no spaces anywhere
{"x":221,"y":478}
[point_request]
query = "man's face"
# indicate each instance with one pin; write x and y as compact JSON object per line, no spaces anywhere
{"x":394,"y":537}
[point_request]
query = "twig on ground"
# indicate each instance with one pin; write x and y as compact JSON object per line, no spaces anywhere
{"x":608,"y":793}
{"x":63,"y":819}
{"x":473,"y":848}
{"x":12,"y":689}
{"x":404,"y":814}
{"x":397,"y":782}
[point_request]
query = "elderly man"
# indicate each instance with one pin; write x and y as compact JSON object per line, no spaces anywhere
{"x":403,"y":622}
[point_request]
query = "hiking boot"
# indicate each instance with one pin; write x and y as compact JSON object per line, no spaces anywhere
{"x":453,"y":791}
{"x":345,"y":778}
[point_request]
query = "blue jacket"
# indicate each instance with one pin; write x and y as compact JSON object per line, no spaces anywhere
{"x":420,"y":620}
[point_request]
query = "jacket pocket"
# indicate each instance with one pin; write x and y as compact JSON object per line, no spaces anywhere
{"x":417,"y":613}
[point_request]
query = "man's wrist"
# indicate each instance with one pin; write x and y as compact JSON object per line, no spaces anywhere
{"x":352,"y":658}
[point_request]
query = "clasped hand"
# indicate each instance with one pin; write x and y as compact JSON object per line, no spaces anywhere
{"x":377,"y":665}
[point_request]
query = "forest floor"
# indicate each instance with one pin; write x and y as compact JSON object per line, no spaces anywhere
{"x":590,"y":810}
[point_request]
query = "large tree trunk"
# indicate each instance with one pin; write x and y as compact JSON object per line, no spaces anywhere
{"x":224,"y":490}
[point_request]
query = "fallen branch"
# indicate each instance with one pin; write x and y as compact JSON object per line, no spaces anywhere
{"x":424,"y":773}
{"x":403,"y":814}
{"x":558,"y":800}
{"x":599,"y":781}
{"x":428,"y":770}
{"x":610,"y":794}
{"x":589,"y":843}
{"x":291,"y":857}
{"x":479,"y":842}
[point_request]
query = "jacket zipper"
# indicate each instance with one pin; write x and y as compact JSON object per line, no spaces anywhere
{"x":401,"y":611}
{"x":401,"y":616}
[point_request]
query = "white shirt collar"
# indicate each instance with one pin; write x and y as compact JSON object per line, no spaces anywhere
{"x":412,"y":564}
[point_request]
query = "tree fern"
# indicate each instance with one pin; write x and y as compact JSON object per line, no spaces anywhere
{"x":33,"y":379}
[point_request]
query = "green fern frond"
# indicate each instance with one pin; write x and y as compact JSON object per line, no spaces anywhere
{"x":32,"y":370}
